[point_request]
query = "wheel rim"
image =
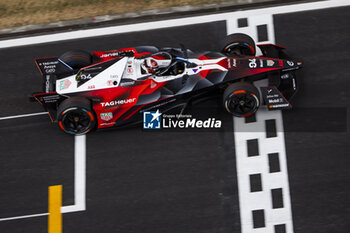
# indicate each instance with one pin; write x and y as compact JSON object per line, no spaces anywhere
{"x":236,"y":49}
{"x":232,"y":50}
{"x":76,"y":121}
{"x":242,"y":104}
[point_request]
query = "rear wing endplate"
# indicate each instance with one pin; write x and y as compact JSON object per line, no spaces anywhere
{"x":52,"y":65}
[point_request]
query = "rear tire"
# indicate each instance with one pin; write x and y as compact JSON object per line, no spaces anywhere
{"x":238,"y":44}
{"x":241,"y":99}
{"x":76,"y":59}
{"x":75,"y":116}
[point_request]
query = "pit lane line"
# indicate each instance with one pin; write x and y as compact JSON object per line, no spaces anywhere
{"x":79,"y":174}
{"x":169,"y":23}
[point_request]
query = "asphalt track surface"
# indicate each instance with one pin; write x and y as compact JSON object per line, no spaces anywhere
{"x":140,"y":181}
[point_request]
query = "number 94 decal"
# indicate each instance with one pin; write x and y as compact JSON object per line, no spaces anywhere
{"x":253,"y":63}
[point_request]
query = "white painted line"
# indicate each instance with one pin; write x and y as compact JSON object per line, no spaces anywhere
{"x":79,"y":176}
{"x":79,"y":181}
{"x":24,"y":115}
{"x":246,"y":166}
{"x":169,"y":23}
{"x":24,"y":216}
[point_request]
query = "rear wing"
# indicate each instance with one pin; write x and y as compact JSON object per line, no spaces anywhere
{"x":51,"y":69}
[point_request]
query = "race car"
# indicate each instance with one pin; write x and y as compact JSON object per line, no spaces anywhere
{"x":85,"y":91}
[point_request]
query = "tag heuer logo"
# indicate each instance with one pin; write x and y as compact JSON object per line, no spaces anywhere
{"x":106,"y":116}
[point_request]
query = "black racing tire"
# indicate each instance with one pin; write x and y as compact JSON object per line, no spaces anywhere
{"x":238,"y":44}
{"x":76,"y":59}
{"x":241,"y":99}
{"x":75,"y":116}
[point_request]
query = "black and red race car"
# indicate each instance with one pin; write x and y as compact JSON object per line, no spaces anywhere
{"x":84,"y":91}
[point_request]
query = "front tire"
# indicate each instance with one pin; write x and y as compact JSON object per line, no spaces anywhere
{"x":75,"y":116}
{"x":238,"y":44}
{"x":241,"y":99}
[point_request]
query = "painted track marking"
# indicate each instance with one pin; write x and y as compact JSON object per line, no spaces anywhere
{"x":23,"y":217}
{"x":23,"y":115}
{"x":169,"y":23}
{"x":55,"y":215}
{"x":79,"y":176}
{"x":79,"y":181}
{"x":256,"y":184}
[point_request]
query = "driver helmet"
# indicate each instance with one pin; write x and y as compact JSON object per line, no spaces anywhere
{"x":156,"y":62}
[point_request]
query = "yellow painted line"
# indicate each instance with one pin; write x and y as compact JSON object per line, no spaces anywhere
{"x":55,"y":203}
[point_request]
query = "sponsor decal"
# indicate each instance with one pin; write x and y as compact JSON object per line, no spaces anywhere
{"x":110,"y":123}
{"x":48,"y":63}
{"x":50,"y":71}
{"x":285,"y":76}
{"x":151,"y":120}
{"x":231,"y":63}
{"x":49,"y":99}
{"x":274,"y":101}
{"x":261,"y":63}
{"x":118,"y":54}
{"x":115,"y":54}
{"x":91,"y":87}
{"x":280,"y":63}
{"x":107,"y":116}
{"x":130,"y":70}
{"x":290,"y":63}
{"x":64,"y":84}
{"x":279,"y":106}
{"x":109,"y":83}
{"x":153,"y":84}
{"x":294,"y":84}
{"x":118,"y":102}
{"x":128,"y":84}
{"x":47,"y":83}
{"x":252,"y":63}
{"x":113,"y":76}
{"x":270,"y":62}
{"x":195,"y":70}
